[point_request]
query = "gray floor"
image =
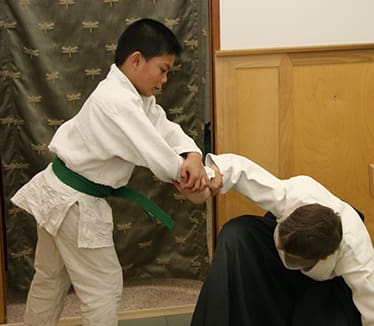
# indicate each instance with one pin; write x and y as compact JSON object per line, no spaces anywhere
{"x":136,"y":296}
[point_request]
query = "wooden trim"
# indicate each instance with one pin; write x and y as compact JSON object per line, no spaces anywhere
{"x":2,"y":257}
{"x":130,"y":315}
{"x":290,"y":50}
{"x":214,"y":44}
{"x":215,"y":37}
{"x":157,"y":312}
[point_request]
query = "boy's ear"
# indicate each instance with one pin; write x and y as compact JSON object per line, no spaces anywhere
{"x":135,"y":58}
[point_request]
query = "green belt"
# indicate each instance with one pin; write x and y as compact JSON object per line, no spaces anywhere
{"x":86,"y":186}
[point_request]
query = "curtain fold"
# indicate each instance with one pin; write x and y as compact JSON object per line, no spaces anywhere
{"x":53,"y":53}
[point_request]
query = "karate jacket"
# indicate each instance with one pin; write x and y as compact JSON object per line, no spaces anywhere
{"x":353,"y":260}
{"x":115,"y":130}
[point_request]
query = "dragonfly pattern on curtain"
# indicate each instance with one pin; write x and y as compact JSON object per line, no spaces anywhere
{"x":53,"y":53}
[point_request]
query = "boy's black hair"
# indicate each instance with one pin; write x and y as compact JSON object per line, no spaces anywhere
{"x":150,"y":37}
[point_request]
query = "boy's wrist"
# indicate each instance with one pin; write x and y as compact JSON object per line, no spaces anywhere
{"x":192,"y":155}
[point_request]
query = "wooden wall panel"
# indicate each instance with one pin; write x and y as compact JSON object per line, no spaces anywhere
{"x":334,"y":129}
{"x":248,"y":120}
{"x":250,"y":132}
{"x":299,"y":111}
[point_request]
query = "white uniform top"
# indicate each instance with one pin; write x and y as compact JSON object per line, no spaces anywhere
{"x":353,"y":260}
{"x":115,"y":130}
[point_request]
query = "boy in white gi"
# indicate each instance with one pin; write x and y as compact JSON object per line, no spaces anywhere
{"x":120,"y":126}
{"x":309,"y":261}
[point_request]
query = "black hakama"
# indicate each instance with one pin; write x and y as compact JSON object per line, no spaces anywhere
{"x":247,"y":285}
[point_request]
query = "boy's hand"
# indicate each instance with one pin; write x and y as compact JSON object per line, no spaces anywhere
{"x":216,"y":183}
{"x":197,"y":197}
{"x":201,"y":196}
{"x":193,"y":175}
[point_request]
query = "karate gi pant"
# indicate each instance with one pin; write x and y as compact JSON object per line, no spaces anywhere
{"x":95,"y":274}
{"x":247,"y":285}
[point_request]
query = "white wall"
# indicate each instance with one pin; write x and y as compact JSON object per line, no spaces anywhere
{"x":247,"y":24}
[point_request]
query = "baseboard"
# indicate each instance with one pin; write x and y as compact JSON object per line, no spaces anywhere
{"x":132,"y":314}
{"x":156,"y":312}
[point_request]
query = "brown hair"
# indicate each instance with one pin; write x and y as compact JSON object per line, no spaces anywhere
{"x":311,"y":231}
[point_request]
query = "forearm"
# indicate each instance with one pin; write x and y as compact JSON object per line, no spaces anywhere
{"x":362,"y":285}
{"x":251,"y":180}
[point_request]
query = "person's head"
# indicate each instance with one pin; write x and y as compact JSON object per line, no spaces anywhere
{"x":309,"y":234}
{"x":150,"y":37}
{"x":146,"y":51}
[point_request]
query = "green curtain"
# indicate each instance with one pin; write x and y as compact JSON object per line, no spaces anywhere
{"x":53,"y":53}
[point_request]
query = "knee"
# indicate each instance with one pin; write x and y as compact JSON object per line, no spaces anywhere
{"x":117,"y":287}
{"x":101,"y":308}
{"x":241,"y":227}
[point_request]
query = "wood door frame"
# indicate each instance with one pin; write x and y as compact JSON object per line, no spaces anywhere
{"x":2,"y":256}
{"x":214,"y":46}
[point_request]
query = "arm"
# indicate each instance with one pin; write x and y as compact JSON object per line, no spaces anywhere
{"x":193,"y":176}
{"x":251,"y":180}
{"x":172,"y":132}
{"x":362,"y":286}
{"x":356,"y":266}
{"x":123,"y":130}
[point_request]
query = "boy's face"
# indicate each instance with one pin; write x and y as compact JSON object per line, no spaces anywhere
{"x":294,"y":261}
{"x":151,"y":74}
{"x":299,"y":262}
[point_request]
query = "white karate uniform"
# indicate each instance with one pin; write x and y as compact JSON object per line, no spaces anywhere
{"x":115,"y":130}
{"x":353,"y":260}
